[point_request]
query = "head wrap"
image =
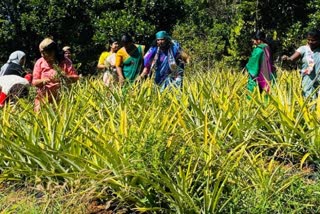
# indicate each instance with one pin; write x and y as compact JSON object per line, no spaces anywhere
{"x":66,"y":48}
{"x":163,"y":35}
{"x":15,"y":57}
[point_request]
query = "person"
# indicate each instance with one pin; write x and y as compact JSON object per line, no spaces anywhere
{"x":167,"y":58}
{"x":310,"y":56}
{"x":14,"y":65}
{"x":14,"y":86}
{"x":50,"y":71}
{"x":67,"y":52}
{"x":129,"y":60}
{"x":107,"y":61}
{"x":260,"y":65}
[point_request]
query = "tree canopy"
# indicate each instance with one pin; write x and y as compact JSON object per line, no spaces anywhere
{"x":210,"y":30}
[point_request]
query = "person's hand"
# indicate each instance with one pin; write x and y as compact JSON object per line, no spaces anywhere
{"x":70,"y":78}
{"x":188,"y":60}
{"x":141,"y":77}
{"x":285,"y":58}
{"x":121,"y":80}
{"x":138,"y":79}
{"x":108,"y":66}
{"x":306,"y":72}
{"x":56,"y":78}
{"x":45,"y":81}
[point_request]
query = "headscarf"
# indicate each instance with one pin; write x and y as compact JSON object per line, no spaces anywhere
{"x":163,"y":35}
{"x":14,"y":57}
{"x":66,"y":48}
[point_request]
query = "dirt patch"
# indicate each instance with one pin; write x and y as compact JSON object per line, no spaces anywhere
{"x":98,"y":206}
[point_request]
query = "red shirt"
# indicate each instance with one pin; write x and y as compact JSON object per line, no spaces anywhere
{"x":43,"y":70}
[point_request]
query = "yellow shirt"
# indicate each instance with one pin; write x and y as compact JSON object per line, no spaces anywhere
{"x":103,"y":57}
{"x":122,"y":55}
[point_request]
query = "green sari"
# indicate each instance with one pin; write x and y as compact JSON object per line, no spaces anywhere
{"x":133,"y":65}
{"x":261,"y":69}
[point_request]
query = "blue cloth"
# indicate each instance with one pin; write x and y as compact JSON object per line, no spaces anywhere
{"x":310,"y":82}
{"x":162,"y":35}
{"x":164,"y":73}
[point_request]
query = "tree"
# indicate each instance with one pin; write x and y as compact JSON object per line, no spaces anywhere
{"x":28,"y":22}
{"x":211,"y":30}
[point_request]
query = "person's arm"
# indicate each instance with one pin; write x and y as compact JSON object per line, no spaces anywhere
{"x":70,"y":72}
{"x":147,"y":61}
{"x":120,"y":75}
{"x":101,"y":65}
{"x":185,"y":57}
{"x":253,"y":64}
{"x":295,"y":56}
{"x":118,"y":65}
{"x":143,"y":74}
{"x":40,"y":82}
{"x":37,"y":81}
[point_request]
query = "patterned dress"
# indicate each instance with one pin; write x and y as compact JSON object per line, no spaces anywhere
{"x":167,"y":65}
{"x":310,"y":68}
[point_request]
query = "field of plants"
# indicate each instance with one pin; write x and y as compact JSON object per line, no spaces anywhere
{"x":210,"y":148}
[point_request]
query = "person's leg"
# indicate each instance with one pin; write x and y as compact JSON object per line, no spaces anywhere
{"x":106,"y":78}
{"x":37,"y":102}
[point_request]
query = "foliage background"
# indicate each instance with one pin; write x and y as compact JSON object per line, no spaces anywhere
{"x":205,"y":149}
{"x":210,"y":30}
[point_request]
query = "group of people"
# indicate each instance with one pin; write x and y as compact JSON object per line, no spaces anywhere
{"x":262,"y":72}
{"x":164,"y":60}
{"x":47,"y":74}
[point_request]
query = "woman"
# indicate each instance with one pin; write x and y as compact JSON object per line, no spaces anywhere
{"x":167,"y":58}
{"x":14,"y":86}
{"x":107,"y":61}
{"x":67,"y":52}
{"x":129,"y":60}
{"x":49,"y":71}
{"x":14,"y":65}
{"x":260,"y":65}
{"x":310,"y":55}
